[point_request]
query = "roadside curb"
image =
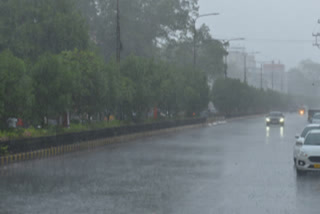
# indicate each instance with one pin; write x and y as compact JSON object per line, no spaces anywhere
{"x":223,"y":120}
{"x":86,"y":146}
{"x":91,"y":145}
{"x":244,"y":117}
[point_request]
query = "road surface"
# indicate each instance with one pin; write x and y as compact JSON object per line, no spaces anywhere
{"x":236,"y":167}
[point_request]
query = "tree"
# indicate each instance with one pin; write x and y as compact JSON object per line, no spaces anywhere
{"x":232,"y":97}
{"x":138,"y":73}
{"x":53,"y":87}
{"x":144,"y":23}
{"x":15,"y":88}
{"x":30,"y":28}
{"x":90,"y":81}
{"x":209,"y":53}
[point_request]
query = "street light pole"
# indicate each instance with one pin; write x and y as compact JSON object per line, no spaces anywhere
{"x":272,"y":74}
{"x":195,"y":36}
{"x":118,"y":42}
{"x":245,"y":67}
{"x":262,"y":63}
{"x":261,"y":70}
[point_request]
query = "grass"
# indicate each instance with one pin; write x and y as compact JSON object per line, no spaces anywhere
{"x":20,"y":133}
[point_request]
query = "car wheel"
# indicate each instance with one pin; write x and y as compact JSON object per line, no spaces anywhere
{"x":301,"y":172}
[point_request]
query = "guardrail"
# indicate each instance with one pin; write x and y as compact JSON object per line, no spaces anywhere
{"x":62,"y":142}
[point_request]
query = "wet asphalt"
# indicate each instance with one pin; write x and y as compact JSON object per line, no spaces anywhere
{"x":236,"y":167}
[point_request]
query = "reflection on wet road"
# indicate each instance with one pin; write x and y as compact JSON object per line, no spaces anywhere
{"x":238,"y":167}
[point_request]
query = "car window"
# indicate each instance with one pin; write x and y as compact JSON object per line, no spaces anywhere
{"x":276,"y":114}
{"x":307,"y":129}
{"x":317,"y":116}
{"x":312,"y":139}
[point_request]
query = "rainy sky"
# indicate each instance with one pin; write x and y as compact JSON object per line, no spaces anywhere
{"x":279,"y":29}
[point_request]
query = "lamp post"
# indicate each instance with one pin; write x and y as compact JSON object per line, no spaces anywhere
{"x":195,"y":35}
{"x":118,"y":41}
{"x":262,"y":63}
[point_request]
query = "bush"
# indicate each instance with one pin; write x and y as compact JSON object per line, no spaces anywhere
{"x":3,"y":150}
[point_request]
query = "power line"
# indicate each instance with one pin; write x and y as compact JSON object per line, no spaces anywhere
{"x":271,"y":40}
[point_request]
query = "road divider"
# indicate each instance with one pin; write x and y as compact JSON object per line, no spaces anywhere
{"x":86,"y":146}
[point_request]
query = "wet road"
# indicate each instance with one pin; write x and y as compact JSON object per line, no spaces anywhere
{"x":237,"y":167}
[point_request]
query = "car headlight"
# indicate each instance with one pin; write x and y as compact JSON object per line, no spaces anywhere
{"x":303,"y":154}
{"x":268,"y":119}
{"x":281,"y":120}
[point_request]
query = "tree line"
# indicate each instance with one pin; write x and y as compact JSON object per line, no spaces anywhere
{"x":57,"y":56}
{"x":233,"y":97}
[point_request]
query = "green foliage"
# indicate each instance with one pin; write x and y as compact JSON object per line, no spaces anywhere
{"x":15,"y":88}
{"x":3,"y":150}
{"x":209,"y":53}
{"x":30,"y":28}
{"x":143,"y":23}
{"x":232,"y":97}
{"x":152,"y":83}
{"x":51,"y":69}
{"x":89,"y":81}
{"x":53,"y":87}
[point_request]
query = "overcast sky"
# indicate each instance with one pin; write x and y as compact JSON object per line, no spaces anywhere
{"x":279,"y":29}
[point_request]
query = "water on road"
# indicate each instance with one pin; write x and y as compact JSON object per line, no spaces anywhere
{"x":237,"y":167}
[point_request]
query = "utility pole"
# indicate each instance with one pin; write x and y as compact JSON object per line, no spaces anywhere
{"x":272,"y":71}
{"x":245,"y":67}
{"x":262,"y":63}
{"x":118,"y":42}
{"x":194,"y":44}
{"x":261,"y":73}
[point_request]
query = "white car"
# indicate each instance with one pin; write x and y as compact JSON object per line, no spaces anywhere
{"x":300,"y":139}
{"x":308,"y":158}
{"x":316,"y":118}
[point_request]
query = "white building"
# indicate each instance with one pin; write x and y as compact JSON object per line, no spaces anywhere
{"x":275,"y":77}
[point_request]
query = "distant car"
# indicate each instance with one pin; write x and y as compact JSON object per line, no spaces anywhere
{"x":308,"y":158}
{"x":316,"y":118}
{"x":275,"y":117}
{"x":300,"y":139}
{"x":302,"y":111}
{"x":311,"y":113}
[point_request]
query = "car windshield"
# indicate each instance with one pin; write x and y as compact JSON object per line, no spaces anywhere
{"x":316,"y":116}
{"x":306,"y":130}
{"x":276,"y":114}
{"x":313,"y":139}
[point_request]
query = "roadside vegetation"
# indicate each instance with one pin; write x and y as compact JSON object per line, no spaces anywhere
{"x":58,"y":57}
{"x":233,"y":98}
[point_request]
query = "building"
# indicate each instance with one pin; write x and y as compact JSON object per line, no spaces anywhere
{"x":241,"y":64}
{"x":274,"y":77}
